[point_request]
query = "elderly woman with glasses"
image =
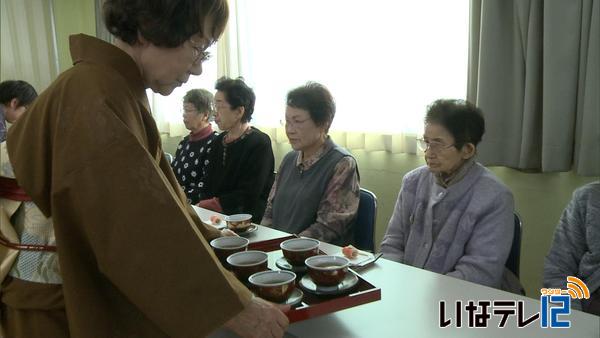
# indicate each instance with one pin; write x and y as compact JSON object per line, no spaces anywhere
{"x":452,"y":216}
{"x":134,"y":256}
{"x":192,"y":156}
{"x":240,"y":174}
{"x":316,"y":190}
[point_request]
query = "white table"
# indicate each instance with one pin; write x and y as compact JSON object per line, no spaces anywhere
{"x":409,"y":306}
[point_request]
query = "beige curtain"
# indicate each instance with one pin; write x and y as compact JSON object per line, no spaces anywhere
{"x":392,"y":143}
{"x":534,"y":69}
{"x":28,"y":44}
{"x":101,"y":31}
{"x":228,"y":46}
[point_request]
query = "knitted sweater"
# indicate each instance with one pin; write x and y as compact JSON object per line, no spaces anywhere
{"x":575,"y":248}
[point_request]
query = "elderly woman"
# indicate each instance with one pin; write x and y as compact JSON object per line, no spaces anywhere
{"x":453,"y":216}
{"x":191,"y":158}
{"x":89,"y":155}
{"x":240,"y":173}
{"x":316,"y":191}
{"x":575,"y":247}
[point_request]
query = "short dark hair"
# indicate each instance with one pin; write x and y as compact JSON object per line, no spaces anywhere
{"x":238,"y":94}
{"x":316,"y":100}
{"x":165,"y":23}
{"x":461,"y":118}
{"x":202,"y":100}
{"x":17,"y":89}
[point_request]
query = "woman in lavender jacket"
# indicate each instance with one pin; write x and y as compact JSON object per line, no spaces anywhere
{"x":453,"y":216}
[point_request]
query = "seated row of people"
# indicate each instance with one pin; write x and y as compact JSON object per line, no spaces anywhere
{"x":230,"y":172}
{"x":316,"y":190}
{"x":452,"y":216}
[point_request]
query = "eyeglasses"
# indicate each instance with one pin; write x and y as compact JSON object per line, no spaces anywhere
{"x":435,"y":147}
{"x":294,"y":124}
{"x":199,"y":52}
{"x":190,"y":111}
{"x":210,"y":112}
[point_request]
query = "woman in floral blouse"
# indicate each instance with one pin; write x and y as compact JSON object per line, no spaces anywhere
{"x":316,"y":191}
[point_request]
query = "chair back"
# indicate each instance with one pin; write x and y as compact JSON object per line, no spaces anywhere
{"x":366,"y":217}
{"x":514,"y":258}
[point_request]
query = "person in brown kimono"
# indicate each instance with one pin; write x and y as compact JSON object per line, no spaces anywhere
{"x":133,"y":255}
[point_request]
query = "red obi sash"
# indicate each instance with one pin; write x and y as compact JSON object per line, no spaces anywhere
{"x":9,"y":189}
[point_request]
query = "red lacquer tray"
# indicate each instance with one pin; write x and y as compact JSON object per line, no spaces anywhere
{"x":314,"y":306}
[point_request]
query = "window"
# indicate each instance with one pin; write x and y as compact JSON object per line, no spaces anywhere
{"x":384,"y":61}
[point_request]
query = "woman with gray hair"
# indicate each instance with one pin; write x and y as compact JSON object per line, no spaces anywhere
{"x":453,"y":216}
{"x":192,"y":156}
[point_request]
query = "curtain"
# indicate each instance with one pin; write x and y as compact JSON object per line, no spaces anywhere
{"x":534,"y":69}
{"x":228,"y":57}
{"x":380,"y":71}
{"x":28,"y":44}
{"x":101,"y":31}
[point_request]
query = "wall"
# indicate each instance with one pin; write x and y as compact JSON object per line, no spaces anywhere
{"x":539,"y":200}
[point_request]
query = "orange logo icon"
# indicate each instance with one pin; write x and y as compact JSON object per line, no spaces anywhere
{"x":576,"y":288}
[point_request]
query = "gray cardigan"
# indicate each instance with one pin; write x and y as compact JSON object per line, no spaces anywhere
{"x":575,"y":249}
{"x":473,"y":219}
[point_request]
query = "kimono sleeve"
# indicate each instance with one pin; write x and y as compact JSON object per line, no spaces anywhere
{"x":118,"y":203}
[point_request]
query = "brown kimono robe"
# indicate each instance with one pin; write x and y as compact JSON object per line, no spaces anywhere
{"x":134,"y":256}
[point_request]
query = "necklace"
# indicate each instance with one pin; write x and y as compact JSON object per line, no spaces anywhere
{"x":227,"y":141}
